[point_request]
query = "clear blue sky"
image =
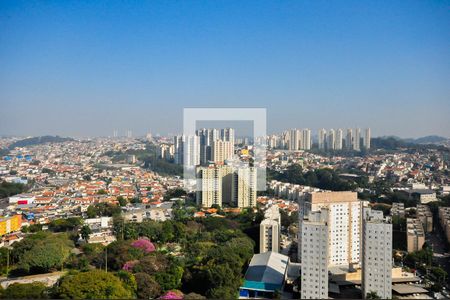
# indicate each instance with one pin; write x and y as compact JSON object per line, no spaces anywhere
{"x":82,"y":69}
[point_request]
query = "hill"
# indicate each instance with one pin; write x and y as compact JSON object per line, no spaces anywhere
{"x":39,"y":140}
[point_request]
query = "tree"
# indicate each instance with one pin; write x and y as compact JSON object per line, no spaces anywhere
{"x":85,"y":232}
{"x":372,"y":295}
{"x":44,"y":257}
{"x":35,"y":290}
{"x":147,"y":287}
{"x":94,"y":284}
{"x":122,"y":201}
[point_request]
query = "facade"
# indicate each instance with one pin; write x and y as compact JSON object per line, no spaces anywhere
{"x":415,"y":235}
{"x":339,"y":138}
{"x":366,"y":139}
{"x":357,"y":140}
{"x":213,"y":185}
{"x":244,"y":187}
{"x":294,"y":139}
{"x":344,"y":222}
{"x":314,"y":255}
{"x":187,"y":150}
{"x":10,"y":224}
{"x":444,"y":219}
{"x":306,"y":139}
{"x":270,"y":230}
{"x":398,"y":209}
{"x":322,"y":138}
{"x":331,"y":139}
{"x":376,"y":254}
{"x":425,"y":216}
{"x":221,"y":151}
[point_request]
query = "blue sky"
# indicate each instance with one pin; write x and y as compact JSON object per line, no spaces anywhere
{"x":84,"y":68}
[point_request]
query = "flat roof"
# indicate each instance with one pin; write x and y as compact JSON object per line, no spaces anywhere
{"x":408,"y":289}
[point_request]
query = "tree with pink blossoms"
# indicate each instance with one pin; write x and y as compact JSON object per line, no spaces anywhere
{"x":144,"y":244}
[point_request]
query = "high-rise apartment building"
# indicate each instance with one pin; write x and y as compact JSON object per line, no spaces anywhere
{"x":331,"y":139}
{"x":349,"y":139}
{"x":338,"y":140}
{"x":376,"y":254}
{"x":294,"y":139}
{"x":221,"y":151}
{"x":366,"y":139}
{"x":244,"y":187}
{"x":344,"y":221}
{"x":270,"y":230}
{"x":305,"y":142}
{"x":322,"y":138}
{"x":214,"y":185}
{"x":357,"y":140}
{"x":187,"y":150}
{"x":314,"y":255}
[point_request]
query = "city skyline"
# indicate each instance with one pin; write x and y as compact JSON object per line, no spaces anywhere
{"x":67,"y":71}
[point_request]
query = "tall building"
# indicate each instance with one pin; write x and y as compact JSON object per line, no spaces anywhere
{"x":214,"y":185}
{"x":294,"y":139}
{"x":221,"y":151}
{"x":344,"y":221}
{"x":349,"y":139}
{"x":357,"y":140}
{"x":270,"y":231}
{"x":314,"y":255}
{"x":305,"y":142}
{"x":244,"y":187}
{"x":207,"y":138}
{"x":331,"y":139}
{"x":366,"y":139}
{"x":376,"y":254}
{"x":339,"y":138}
{"x":415,"y":235}
{"x":322,"y":138}
{"x":187,"y":150}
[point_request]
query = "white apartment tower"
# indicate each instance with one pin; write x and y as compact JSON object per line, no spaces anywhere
{"x":349,"y":139}
{"x":357,"y":140}
{"x":314,"y":255}
{"x":344,"y":221}
{"x":187,"y":150}
{"x":322,"y":137}
{"x":294,"y":139}
{"x":331,"y":139}
{"x":339,"y":138}
{"x":270,"y":231}
{"x":376,"y":254}
{"x":366,"y":139}
{"x":306,"y":139}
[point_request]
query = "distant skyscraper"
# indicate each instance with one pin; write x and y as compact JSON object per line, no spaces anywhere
{"x":207,"y":138}
{"x":314,"y":255}
{"x":294,"y":139}
{"x":322,"y":137}
{"x":357,"y":140}
{"x":331,"y":139}
{"x":376,"y":254}
{"x":338,"y":141}
{"x":366,"y":140}
{"x":349,"y":139}
{"x":306,"y":139}
{"x":187,"y":150}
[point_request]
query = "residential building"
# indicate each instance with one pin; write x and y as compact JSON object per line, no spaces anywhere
{"x":322,"y":138}
{"x":10,"y":224}
{"x":338,"y":140}
{"x":423,"y":213}
{"x":398,"y":209}
{"x":314,"y":255}
{"x":244,"y":187}
{"x":357,"y":140}
{"x":376,"y":254}
{"x":213,"y":185}
{"x":415,"y":235}
{"x":366,"y":139}
{"x":221,"y":151}
{"x":270,"y":230}
{"x":331,"y":140}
